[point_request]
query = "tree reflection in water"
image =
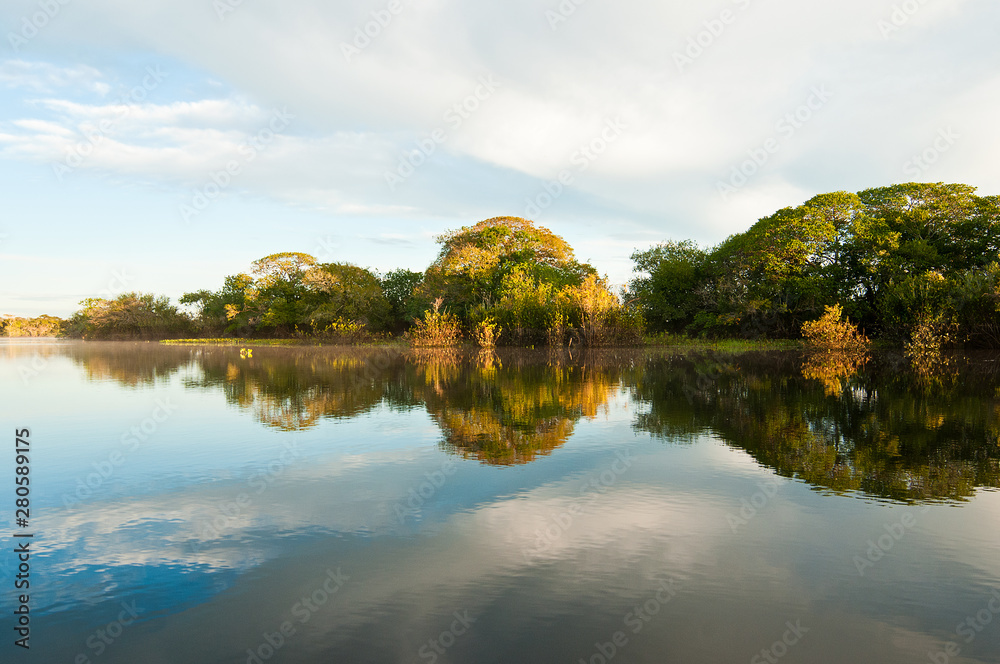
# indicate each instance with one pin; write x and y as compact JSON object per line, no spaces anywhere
{"x":882,"y":433}
{"x":875,"y":428}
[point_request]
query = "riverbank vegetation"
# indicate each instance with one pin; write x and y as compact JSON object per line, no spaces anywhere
{"x":889,"y":257}
{"x":42,"y":326}
{"x":913,"y":264}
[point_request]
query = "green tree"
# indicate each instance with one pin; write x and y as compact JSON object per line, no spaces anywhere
{"x":131,"y":315}
{"x":473,"y":261}
{"x":870,"y":252}
{"x":398,"y":287}
{"x":668,"y":291}
{"x":344,"y":292}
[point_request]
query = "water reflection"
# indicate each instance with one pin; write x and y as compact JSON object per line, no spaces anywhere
{"x":293,"y":388}
{"x":277,"y":468}
{"x":509,"y":408}
{"x":841,"y":425}
{"x":833,"y":368}
{"x":878,"y":432}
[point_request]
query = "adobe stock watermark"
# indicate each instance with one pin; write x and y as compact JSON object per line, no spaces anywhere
{"x":780,"y":648}
{"x":635,"y":620}
{"x":326,"y":249}
{"x":249,"y":149}
{"x":95,"y":136}
{"x":31,"y":369}
{"x":302,"y":611}
{"x":582,"y":158}
{"x":714,"y":28}
{"x":562,"y":12}
{"x":546,"y":537}
{"x":455,"y":117}
{"x":224,"y":8}
{"x":117,"y":285}
{"x":968,"y":630}
{"x":749,"y":508}
{"x":880,"y":547}
{"x":365,"y":35}
{"x":231,"y":511}
{"x":900,"y":16}
{"x":785,"y":129}
{"x":131,"y":441}
{"x":34,"y":23}
{"x":102,"y":639}
{"x":918,"y":164}
{"x":436,"y":647}
{"x":418,"y":496}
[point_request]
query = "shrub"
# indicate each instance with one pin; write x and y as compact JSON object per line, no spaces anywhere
{"x":42,"y":326}
{"x":486,"y":333}
{"x":832,"y":334}
{"x":129,"y":316}
{"x":930,"y":334}
{"x":341,"y":331}
{"x":557,"y":329}
{"x":436,"y":328}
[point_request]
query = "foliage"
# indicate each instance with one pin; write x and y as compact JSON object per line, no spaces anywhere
{"x":129,"y":316}
{"x":603,"y":319}
{"x":525,"y":278}
{"x":668,"y":296}
{"x":291,"y":293}
{"x":924,"y":349}
{"x":343,"y":331}
{"x":885,"y":255}
{"x":475,"y":264}
{"x":557,"y":330}
{"x":398,"y":287}
{"x":486,"y":333}
{"x":830,"y":333}
{"x":40,"y":326}
{"x":341,"y":292}
{"x":436,"y":328}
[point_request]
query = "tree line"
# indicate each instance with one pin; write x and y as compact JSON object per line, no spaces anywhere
{"x":891,"y":258}
{"x":502,"y":280}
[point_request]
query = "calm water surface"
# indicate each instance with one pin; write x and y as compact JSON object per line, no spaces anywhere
{"x":325,"y":505}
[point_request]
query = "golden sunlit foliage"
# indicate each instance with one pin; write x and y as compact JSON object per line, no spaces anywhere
{"x":830,"y":333}
{"x":41,"y":326}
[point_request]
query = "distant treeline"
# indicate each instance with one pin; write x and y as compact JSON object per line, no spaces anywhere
{"x":42,"y":326}
{"x":503,"y":280}
{"x":892,"y":258}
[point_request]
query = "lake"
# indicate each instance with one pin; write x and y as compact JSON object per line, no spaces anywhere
{"x":291,"y":504}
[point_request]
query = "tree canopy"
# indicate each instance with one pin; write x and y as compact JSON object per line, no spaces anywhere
{"x":884,"y":254}
{"x":474,"y":261}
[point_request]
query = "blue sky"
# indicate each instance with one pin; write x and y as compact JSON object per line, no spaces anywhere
{"x":159,"y":146}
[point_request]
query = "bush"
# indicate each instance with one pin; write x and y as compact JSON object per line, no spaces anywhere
{"x":342,"y":331}
{"x":436,"y":328}
{"x":829,"y":333}
{"x":129,"y":316}
{"x":557,"y":329}
{"x":486,"y":333}
{"x":604,"y":320}
{"x":924,"y":349}
{"x":42,"y":326}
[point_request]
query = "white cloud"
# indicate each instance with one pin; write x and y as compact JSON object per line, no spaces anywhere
{"x":686,"y":129}
{"x":44,"y":77}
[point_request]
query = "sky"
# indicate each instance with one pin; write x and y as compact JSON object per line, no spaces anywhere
{"x":158,"y":146}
